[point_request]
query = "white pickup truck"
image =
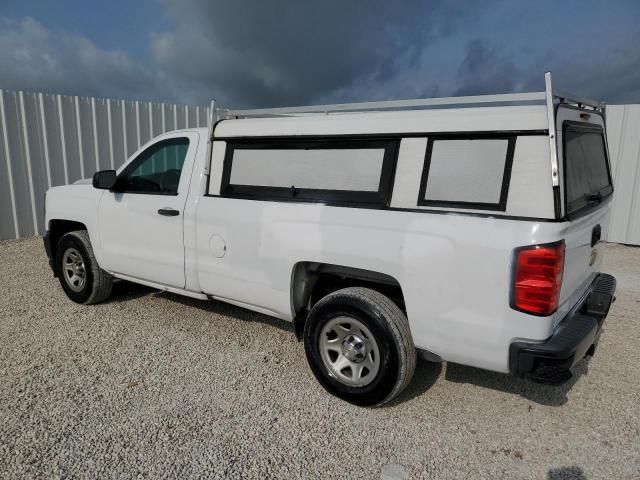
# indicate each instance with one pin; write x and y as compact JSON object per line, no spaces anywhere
{"x":469,"y":232}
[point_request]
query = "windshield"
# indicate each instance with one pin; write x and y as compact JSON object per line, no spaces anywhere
{"x":587,"y":179}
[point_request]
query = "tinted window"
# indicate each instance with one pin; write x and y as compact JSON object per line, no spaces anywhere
{"x":329,"y":169}
{"x":467,"y":173}
{"x":310,"y":170}
{"x":587,"y":177}
{"x":157,"y":169}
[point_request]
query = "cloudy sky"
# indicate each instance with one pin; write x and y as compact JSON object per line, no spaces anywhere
{"x":287,"y":52}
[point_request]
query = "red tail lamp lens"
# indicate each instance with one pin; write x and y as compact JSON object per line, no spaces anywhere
{"x":538,"y":278}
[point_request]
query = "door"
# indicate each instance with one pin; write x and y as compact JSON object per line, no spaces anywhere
{"x":141,"y":221}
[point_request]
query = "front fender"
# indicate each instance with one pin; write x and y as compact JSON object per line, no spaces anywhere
{"x":75,"y":203}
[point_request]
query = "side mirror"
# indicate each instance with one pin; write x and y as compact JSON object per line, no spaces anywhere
{"x":104,"y":179}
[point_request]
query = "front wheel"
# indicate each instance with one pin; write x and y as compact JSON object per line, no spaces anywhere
{"x":80,"y":276}
{"x":359,"y":346}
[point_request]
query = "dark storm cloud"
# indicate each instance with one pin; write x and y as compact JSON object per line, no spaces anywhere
{"x":260,"y":53}
{"x":612,"y":75}
{"x":485,"y":71}
{"x":251,"y":53}
{"x":601,"y":73}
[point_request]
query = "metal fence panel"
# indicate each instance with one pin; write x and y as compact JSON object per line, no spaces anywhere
{"x":623,"y":127}
{"x":21,"y":176}
{"x":33,"y":155}
{"x":8,"y":213}
{"x":48,"y":140}
{"x":117,"y":152}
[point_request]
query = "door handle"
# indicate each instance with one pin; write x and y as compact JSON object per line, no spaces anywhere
{"x":168,"y":212}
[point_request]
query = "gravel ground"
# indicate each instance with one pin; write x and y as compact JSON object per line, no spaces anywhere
{"x":156,"y":385}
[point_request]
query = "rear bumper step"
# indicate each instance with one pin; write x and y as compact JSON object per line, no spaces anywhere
{"x":575,"y":337}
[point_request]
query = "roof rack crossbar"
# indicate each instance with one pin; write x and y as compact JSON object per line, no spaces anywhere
{"x":564,"y":97}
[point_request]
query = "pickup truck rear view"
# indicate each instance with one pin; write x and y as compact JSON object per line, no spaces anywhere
{"x":469,"y":234}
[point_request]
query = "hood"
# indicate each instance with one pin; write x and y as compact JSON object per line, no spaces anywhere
{"x":83,"y":181}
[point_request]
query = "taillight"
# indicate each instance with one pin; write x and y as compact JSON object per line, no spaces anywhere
{"x":537,"y":278}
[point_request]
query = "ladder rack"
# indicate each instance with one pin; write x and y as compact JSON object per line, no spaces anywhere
{"x":425,"y":103}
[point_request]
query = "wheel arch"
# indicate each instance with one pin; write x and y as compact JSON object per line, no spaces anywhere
{"x":310,"y":281}
{"x":56,"y":229}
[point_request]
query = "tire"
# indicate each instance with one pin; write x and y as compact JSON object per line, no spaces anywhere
{"x":81,"y":277}
{"x":342,"y":322}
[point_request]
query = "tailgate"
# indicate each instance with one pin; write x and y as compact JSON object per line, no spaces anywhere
{"x":586,"y":190}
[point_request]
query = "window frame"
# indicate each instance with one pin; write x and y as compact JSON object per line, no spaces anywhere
{"x":501,"y":205}
{"x":135,"y":163}
{"x":381,"y":197}
{"x":587,"y":206}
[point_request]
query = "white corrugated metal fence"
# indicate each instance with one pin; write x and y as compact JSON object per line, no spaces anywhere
{"x":623,"y":128}
{"x":48,"y":140}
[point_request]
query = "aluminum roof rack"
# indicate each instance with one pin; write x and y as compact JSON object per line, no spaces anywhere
{"x":423,"y":103}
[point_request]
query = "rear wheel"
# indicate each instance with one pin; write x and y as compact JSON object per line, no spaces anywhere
{"x":359,"y":346}
{"x":80,"y":276}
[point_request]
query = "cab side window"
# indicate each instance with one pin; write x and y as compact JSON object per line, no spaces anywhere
{"x":156,"y":170}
